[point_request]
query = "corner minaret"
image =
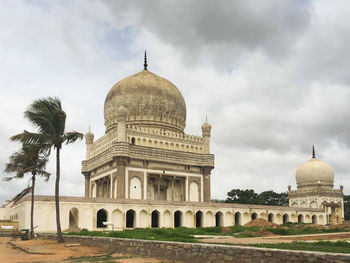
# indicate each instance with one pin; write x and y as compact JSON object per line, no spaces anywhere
{"x":89,"y":139}
{"x":206,"y":129}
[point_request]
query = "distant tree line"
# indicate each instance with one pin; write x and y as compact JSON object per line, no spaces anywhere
{"x":248,"y":196}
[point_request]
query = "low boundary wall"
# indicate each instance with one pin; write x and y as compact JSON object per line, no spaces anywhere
{"x":193,"y":252}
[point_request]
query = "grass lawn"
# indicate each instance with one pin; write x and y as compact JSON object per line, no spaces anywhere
{"x":321,"y":246}
{"x":183,"y":234}
{"x":180,"y":234}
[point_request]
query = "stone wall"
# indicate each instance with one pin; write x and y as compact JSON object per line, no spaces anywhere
{"x":191,"y":252}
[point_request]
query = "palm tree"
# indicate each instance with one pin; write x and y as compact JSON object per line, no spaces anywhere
{"x":30,"y":159}
{"x":50,"y":119}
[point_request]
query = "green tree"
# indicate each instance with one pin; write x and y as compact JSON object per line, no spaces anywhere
{"x":248,"y":196}
{"x":347,"y":207}
{"x":273,"y":198}
{"x":242,"y":196}
{"x":49,"y":118}
{"x":30,"y":159}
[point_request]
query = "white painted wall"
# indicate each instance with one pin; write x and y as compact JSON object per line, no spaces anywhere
{"x":135,"y":188}
{"x":4,"y":214}
{"x":194,"y":192}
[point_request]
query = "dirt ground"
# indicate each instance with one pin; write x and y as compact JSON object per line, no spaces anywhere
{"x":275,"y":239}
{"x":51,"y":251}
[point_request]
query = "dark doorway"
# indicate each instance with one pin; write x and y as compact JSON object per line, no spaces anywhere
{"x":314,"y":219}
{"x":130,"y":218}
{"x":300,"y":219}
{"x":101,"y":217}
{"x":155,"y":218}
{"x":199,"y":219}
{"x":237,"y":218}
{"x":177,"y":219}
{"x":133,"y":140}
{"x":219,"y":219}
{"x":270,"y":218}
{"x":254,"y":216}
{"x":285,"y":218}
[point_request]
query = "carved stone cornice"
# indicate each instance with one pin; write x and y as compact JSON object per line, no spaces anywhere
{"x":296,"y":194}
{"x":87,"y":174}
{"x":123,"y":149}
{"x":207,"y":170}
{"x":121,"y":160}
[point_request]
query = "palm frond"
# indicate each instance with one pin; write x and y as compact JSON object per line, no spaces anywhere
{"x":71,"y":137}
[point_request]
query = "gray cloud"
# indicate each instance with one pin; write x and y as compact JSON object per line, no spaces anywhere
{"x":271,"y":76}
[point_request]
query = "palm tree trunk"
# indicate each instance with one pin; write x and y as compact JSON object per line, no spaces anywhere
{"x":57,"y":200}
{"x":32,"y":209}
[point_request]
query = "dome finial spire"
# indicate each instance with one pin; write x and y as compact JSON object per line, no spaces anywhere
{"x":313,"y":152}
{"x":145,"y":64}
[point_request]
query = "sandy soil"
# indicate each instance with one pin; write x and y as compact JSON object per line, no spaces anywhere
{"x":54,"y":252}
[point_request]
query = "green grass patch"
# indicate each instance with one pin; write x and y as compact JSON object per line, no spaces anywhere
{"x":304,"y":230}
{"x":183,"y":234}
{"x":104,"y":258}
{"x":164,"y":234}
{"x":321,"y":246}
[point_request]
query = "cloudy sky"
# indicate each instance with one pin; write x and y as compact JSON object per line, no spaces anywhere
{"x":272,"y":76}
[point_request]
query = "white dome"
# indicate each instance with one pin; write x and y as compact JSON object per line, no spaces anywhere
{"x":315,"y":172}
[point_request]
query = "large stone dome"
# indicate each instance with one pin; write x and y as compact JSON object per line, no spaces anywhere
{"x":314,"y":173}
{"x":150,"y":101}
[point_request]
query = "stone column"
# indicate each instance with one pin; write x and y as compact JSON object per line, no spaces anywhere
{"x":172,"y":189}
{"x":158,"y":190}
{"x":87,"y":184}
{"x":121,"y":127}
{"x":206,"y":186}
{"x":121,"y":163}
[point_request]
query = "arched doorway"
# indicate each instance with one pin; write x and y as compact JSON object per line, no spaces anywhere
{"x":130,"y":218}
{"x":300,"y":219}
{"x":270,"y":218}
{"x":199,"y":219}
{"x":219,"y":219}
{"x":177,"y":219}
{"x":314,"y":219}
{"x":285,"y":218}
{"x":73,"y":219}
{"x":238,"y":218}
{"x":254,"y":216}
{"x":155,"y":219}
{"x":101,"y":217}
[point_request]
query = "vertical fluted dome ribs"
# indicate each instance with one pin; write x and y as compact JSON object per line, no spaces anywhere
{"x":149,"y":100}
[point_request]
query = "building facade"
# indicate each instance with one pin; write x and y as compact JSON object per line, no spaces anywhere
{"x":145,"y":171}
{"x":315,"y":182}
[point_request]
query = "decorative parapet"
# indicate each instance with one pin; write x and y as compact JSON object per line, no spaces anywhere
{"x":164,"y":134}
{"x":316,"y":191}
{"x":156,"y":138}
{"x":147,"y":153}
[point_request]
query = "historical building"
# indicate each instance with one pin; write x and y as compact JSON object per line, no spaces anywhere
{"x":315,"y":181}
{"x":147,"y":172}
{"x":145,"y":153}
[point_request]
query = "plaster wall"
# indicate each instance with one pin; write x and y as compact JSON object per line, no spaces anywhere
{"x":4,"y":213}
{"x":212,"y":215}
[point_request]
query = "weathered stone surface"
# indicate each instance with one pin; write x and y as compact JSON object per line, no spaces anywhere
{"x":187,"y":252}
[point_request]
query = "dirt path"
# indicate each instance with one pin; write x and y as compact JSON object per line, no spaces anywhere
{"x":275,"y":239}
{"x":51,"y":251}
